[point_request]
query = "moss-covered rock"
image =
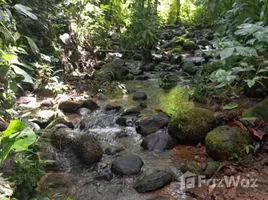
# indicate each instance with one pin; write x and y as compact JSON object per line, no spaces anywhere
{"x":189,"y":68}
{"x":60,"y":120}
{"x":225,"y":141}
{"x":259,"y":111}
{"x":189,"y":45}
{"x":193,"y":127}
{"x":192,"y":167}
{"x":211,"y":168}
{"x":177,"y":49}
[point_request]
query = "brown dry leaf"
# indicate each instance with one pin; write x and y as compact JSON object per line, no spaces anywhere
{"x":255,"y":133}
{"x":237,"y":123}
{"x":211,"y":189}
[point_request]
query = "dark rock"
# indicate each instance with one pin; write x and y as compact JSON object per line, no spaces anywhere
{"x":130,"y":90}
{"x":129,"y":77}
{"x":192,"y":167}
{"x":134,"y":110}
{"x":3,"y":124}
{"x":119,"y":62}
{"x":203,"y":42}
{"x":101,"y":97}
{"x":123,"y":121}
{"x":140,"y":96}
{"x":69,"y":106}
{"x":153,"y":181}
{"x":147,"y":67}
{"x":60,"y":120}
{"x":141,"y":78}
{"x":137,"y":72}
{"x":157,"y":58}
{"x":189,"y":45}
{"x":127,"y":165}
{"x":152,"y":124}
{"x":84,"y":146}
{"x":90,"y":104}
{"x":113,"y":150}
{"x":112,"y":107}
{"x":189,"y":68}
{"x":176,"y":59}
{"x":210,"y":37}
{"x":159,"y":141}
{"x":169,"y":43}
{"x":137,"y":57}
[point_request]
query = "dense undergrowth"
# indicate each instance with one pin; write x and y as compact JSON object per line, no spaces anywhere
{"x":34,"y":36}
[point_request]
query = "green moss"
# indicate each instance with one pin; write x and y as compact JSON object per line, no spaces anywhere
{"x":211,"y":168}
{"x":176,"y":103}
{"x":177,"y":49}
{"x":180,"y":41}
{"x":193,"y":126}
{"x":224,"y":141}
{"x":189,"y":45}
{"x":258,"y":111}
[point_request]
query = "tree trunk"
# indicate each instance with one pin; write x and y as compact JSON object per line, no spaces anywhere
{"x":178,"y":11}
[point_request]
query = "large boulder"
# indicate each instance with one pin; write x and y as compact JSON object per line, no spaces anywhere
{"x":139,"y":96}
{"x":69,"y":106}
{"x":193,"y":127}
{"x":189,"y":46}
{"x":225,"y":141}
{"x":159,"y":141}
{"x":152,"y":124}
{"x":258,"y":111}
{"x":84,"y":146}
{"x":134,"y":110}
{"x":153,"y":181}
{"x":127,"y":165}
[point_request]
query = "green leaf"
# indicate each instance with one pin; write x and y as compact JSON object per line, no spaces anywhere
{"x":14,"y":126}
{"x":33,"y":45}
{"x":226,"y":53}
{"x":250,"y":83}
{"x":230,"y":106}
{"x":26,"y":11}
{"x":26,"y":76}
{"x":25,"y":139}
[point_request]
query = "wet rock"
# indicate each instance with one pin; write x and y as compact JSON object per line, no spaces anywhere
{"x":84,"y":146}
{"x":113,"y":150}
{"x":193,"y":127}
{"x":101,"y":97}
{"x":127,"y":165}
{"x":112,"y":107}
{"x":225,"y":141}
{"x":211,"y":168}
{"x":103,"y":172}
{"x":189,"y":68}
{"x":43,"y":117}
{"x":258,"y":111}
{"x":124,"y":121}
{"x":152,"y":124}
{"x":139,"y":96}
{"x":210,"y":37}
{"x":153,"y":181}
{"x":203,"y":42}
{"x":59,"y":120}
{"x":137,"y":72}
{"x":90,"y":104}
{"x":69,"y":106}
{"x":135,"y":110}
{"x":159,"y":141}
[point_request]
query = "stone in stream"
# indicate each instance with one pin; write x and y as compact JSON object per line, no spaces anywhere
{"x":89,"y":104}
{"x":196,"y":124}
{"x":84,"y":146}
{"x":113,"y":150}
{"x":127,"y":165}
{"x":135,"y":110}
{"x":124,"y":121}
{"x":153,"y":181}
{"x":159,"y":141}
{"x":139,"y":96}
{"x":152,"y":124}
{"x":60,"y":120}
{"x":225,"y":141}
{"x":112,"y":108}
{"x":72,"y":106}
